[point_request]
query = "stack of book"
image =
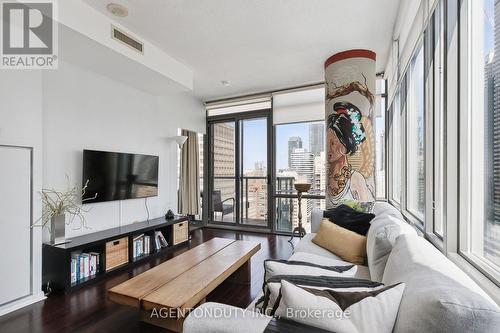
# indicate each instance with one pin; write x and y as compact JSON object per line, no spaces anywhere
{"x":140,"y":246}
{"x":84,"y":265}
{"x":160,"y":241}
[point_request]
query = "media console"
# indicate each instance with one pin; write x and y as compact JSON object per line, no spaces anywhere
{"x":112,"y":249}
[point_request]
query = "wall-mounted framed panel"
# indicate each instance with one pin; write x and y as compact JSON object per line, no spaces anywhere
{"x":16,"y":174}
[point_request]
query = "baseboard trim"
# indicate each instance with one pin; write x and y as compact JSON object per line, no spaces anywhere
{"x":21,"y":303}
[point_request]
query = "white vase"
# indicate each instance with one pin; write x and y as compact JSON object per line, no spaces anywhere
{"x":57,"y":229}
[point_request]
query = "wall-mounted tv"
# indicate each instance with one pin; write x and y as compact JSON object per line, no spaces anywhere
{"x":119,"y":176}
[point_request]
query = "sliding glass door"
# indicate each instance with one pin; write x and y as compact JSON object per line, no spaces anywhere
{"x":223,"y":171}
{"x":238,"y":169}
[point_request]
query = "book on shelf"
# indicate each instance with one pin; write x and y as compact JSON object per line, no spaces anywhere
{"x":140,"y":245}
{"x":74,"y":274}
{"x":84,"y":265}
{"x":160,"y":240}
{"x":94,"y":263}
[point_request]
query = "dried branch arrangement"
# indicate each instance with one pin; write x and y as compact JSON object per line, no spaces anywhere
{"x":68,"y":202}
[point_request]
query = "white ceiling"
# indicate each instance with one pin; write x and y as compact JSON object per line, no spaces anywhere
{"x":258,"y":45}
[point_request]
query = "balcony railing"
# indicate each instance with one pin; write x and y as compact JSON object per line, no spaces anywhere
{"x":253,"y":205}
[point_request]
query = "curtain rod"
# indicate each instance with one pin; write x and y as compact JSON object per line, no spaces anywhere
{"x":269,"y":93}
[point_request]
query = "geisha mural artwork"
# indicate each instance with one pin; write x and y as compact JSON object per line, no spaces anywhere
{"x":350,"y":86}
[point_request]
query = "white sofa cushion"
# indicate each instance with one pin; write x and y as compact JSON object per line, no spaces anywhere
{"x":439,"y":297}
{"x":381,"y":238}
{"x":342,"y":310}
{"x":220,"y":318}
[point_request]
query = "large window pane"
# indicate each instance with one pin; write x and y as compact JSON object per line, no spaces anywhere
{"x":380,"y":140}
{"x":254,"y":170}
{"x":224,"y":186}
{"x":491,"y":53}
{"x":483,"y":229}
{"x":415,"y":163}
{"x":300,"y":157}
{"x":287,"y":213}
{"x":395,"y":129}
{"x":438,"y":118}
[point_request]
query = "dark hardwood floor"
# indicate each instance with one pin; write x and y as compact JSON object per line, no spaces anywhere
{"x":88,"y":310}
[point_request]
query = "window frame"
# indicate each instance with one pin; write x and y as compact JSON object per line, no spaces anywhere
{"x":277,"y":196}
{"x":469,"y":13}
{"x":454,"y":210}
{"x":410,"y":99}
{"x":395,"y":107}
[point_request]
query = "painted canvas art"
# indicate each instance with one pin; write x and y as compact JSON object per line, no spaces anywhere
{"x":350,"y":99}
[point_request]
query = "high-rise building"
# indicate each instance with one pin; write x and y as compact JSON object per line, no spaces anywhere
{"x":302,"y":162}
{"x":319,"y":176}
{"x":380,"y":174}
{"x":316,"y":138}
{"x":489,"y":97}
{"x":293,"y":143}
{"x":255,"y":193}
{"x":224,"y":159}
{"x":492,"y":170}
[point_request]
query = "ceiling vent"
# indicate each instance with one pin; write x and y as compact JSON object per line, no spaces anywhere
{"x":127,"y":40}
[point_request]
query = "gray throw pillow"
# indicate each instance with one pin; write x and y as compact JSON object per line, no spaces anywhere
{"x":381,"y":238}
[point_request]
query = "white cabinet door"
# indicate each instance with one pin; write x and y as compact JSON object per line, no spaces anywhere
{"x":15,"y":222}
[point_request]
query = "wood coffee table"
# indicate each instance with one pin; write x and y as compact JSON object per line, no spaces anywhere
{"x":167,"y":291}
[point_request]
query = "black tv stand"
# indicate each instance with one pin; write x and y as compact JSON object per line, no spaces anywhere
{"x":56,"y":259}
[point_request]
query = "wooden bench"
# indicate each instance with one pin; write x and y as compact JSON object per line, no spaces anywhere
{"x":183,"y":282}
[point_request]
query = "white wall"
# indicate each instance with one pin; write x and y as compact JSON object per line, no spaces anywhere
{"x":81,"y":17}
{"x":21,"y":125}
{"x":84,"y":110}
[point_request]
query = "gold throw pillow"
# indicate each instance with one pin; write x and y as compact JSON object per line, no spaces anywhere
{"x":346,"y":244}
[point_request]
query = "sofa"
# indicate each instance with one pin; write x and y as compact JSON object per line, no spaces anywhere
{"x":438,"y":296}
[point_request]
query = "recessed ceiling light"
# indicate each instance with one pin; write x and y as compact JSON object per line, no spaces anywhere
{"x":117,"y":10}
{"x":225,"y":83}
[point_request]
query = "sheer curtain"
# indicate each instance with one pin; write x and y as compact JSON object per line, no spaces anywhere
{"x":189,"y":182}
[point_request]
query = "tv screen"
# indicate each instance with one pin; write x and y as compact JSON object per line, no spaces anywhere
{"x":119,"y":176}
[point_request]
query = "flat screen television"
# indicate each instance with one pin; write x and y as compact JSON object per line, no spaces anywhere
{"x":119,"y":176}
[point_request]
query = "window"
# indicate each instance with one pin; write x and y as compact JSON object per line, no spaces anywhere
{"x":437,"y":54}
{"x":300,"y":157}
{"x":415,"y":161}
{"x":480,"y":222}
{"x":238,"y":169}
{"x":380,"y":140}
{"x":395,"y":145}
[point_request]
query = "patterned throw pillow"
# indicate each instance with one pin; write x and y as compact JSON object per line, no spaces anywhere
{"x":341,"y":310}
{"x":289,"y":268}
{"x":268,"y":303}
